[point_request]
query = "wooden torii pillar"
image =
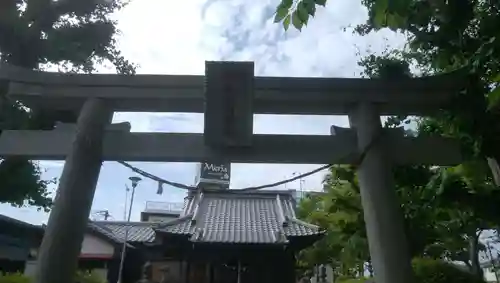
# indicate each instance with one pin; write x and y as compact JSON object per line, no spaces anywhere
{"x":95,"y":97}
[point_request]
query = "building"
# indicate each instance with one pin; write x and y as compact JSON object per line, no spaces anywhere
{"x":17,"y":241}
{"x":231,"y":236}
{"x":218,"y":236}
{"x":156,"y":211}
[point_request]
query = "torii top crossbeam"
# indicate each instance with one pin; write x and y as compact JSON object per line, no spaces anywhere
{"x":229,"y":95}
{"x":272,"y":95}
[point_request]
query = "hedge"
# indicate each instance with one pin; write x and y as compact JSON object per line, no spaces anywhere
{"x":81,"y":277}
{"x":431,"y":271}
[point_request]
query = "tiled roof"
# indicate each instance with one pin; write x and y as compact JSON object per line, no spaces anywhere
{"x":182,"y":226}
{"x":235,"y":217}
{"x":19,"y":223}
{"x":115,"y":230}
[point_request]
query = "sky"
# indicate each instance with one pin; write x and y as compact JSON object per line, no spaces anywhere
{"x":176,"y":37}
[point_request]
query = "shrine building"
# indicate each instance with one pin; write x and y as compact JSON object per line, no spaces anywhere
{"x":221,"y":236}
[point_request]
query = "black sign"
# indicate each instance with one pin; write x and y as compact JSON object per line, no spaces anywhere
{"x":214,"y":173}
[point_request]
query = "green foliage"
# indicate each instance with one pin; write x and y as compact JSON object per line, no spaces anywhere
{"x":14,"y":278}
{"x":386,"y":13}
{"x":443,"y":208}
{"x":298,"y":13}
{"x":80,"y":277}
{"x":88,"y":277}
{"x":339,"y":212}
{"x":431,"y":271}
{"x":448,"y":35}
{"x":74,"y":35}
{"x":437,"y":271}
{"x":21,"y":184}
{"x":352,"y":280}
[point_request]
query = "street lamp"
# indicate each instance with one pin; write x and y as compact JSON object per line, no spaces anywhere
{"x":135,"y":181}
{"x":301,"y":184}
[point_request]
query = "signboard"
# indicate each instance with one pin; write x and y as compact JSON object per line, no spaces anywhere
{"x":229,"y":95}
{"x":214,"y":174}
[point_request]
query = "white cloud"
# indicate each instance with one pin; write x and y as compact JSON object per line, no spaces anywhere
{"x":176,"y":37}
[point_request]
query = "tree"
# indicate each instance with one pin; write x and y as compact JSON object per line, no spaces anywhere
{"x":462,"y":34}
{"x":443,"y":36}
{"x":445,"y":209}
{"x":444,"y":216}
{"x":338,"y":211}
{"x":74,"y":35}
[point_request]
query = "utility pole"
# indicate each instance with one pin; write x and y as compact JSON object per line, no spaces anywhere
{"x":135,"y":181}
{"x":127,"y":190}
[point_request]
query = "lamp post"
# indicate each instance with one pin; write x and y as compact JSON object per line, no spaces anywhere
{"x":127,"y":190}
{"x":301,"y":184}
{"x":135,"y":181}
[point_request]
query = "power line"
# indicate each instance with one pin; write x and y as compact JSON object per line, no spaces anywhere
{"x":275,"y":184}
{"x":156,"y":178}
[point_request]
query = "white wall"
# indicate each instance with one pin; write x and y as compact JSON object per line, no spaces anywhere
{"x":489,"y":275}
{"x":29,"y":268}
{"x":94,"y":246}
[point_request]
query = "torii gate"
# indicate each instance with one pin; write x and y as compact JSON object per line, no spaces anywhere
{"x":229,"y":95}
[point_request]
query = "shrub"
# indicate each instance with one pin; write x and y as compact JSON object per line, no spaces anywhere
{"x":14,"y":278}
{"x":431,"y":271}
{"x":88,"y":277}
{"x":81,"y":277}
{"x":353,"y":280}
{"x":349,"y":279}
{"x":437,"y":271}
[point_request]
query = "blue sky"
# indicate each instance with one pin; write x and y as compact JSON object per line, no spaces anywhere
{"x":176,"y":37}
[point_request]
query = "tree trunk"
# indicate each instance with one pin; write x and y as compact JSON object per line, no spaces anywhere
{"x":474,"y":255}
{"x":493,"y":163}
